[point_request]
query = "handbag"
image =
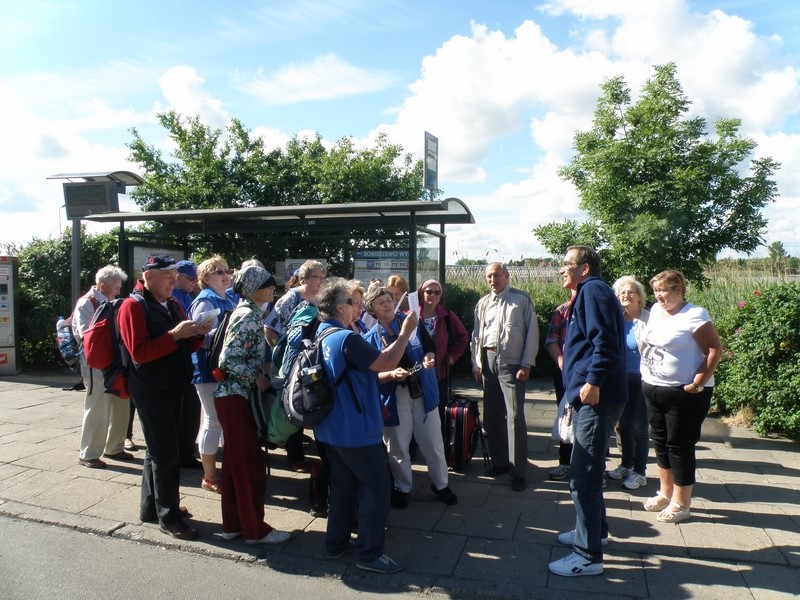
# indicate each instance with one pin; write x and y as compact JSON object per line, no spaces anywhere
{"x":565,"y":429}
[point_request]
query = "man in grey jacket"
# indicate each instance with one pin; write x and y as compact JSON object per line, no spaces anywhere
{"x":505,"y":341}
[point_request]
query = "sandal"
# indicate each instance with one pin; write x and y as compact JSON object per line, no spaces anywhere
{"x":676,"y":516}
{"x":212,"y":485}
{"x":657,"y":503}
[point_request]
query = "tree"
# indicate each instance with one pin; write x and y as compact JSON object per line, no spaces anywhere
{"x":660,"y":193}
{"x":212,"y":169}
{"x":46,"y":286}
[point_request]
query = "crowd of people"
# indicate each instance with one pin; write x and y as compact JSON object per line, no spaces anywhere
{"x":648,"y":375}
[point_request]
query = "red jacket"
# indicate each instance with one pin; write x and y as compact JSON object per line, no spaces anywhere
{"x":451,"y":339}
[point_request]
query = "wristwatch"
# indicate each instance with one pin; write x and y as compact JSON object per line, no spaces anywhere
{"x":698,"y":388}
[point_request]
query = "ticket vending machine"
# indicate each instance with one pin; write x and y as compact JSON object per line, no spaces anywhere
{"x":10,"y":354}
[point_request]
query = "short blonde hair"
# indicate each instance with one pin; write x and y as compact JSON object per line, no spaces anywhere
{"x":670,"y":279}
{"x":209,"y":266}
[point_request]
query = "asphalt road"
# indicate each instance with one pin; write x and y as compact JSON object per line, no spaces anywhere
{"x":42,"y":562}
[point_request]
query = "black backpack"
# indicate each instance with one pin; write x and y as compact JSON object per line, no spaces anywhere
{"x":215,"y":349}
{"x":307,"y":395}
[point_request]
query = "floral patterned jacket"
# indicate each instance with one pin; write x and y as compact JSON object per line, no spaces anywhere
{"x":243,"y":351}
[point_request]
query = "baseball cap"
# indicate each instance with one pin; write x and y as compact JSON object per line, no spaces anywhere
{"x":159,"y":262}
{"x":188,"y":268}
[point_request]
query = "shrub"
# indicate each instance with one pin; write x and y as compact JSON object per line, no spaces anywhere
{"x":46,"y":288}
{"x":760,"y":368}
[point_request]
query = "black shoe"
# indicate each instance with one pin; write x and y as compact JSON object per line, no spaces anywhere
{"x":446,"y":495}
{"x":191,"y":463}
{"x":130,"y":446}
{"x":319,"y":510}
{"x":399,"y":499}
{"x":119,"y":456}
{"x":152,"y":517}
{"x":92,"y":463}
{"x":494,"y":471}
{"x":180,"y":531}
{"x":518,"y":484}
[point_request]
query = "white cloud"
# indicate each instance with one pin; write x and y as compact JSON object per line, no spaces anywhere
{"x":183,"y":89}
{"x":324,"y":78}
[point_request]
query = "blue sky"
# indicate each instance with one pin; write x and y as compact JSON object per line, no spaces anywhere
{"x":504,"y":85}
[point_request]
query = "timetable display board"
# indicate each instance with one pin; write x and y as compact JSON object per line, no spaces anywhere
{"x":371,"y":264}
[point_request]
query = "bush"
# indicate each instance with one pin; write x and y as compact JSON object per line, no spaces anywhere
{"x":46,"y":288}
{"x":760,"y":369}
{"x":463,"y":296}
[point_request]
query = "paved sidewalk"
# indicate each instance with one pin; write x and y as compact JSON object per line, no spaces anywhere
{"x":743,"y":540}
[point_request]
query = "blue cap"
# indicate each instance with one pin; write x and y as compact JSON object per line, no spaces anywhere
{"x":187,"y":267}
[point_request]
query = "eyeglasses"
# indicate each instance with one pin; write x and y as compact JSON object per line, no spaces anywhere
{"x":320,"y":277}
{"x":222,"y":272}
{"x":570,"y":265}
{"x":348,"y":301}
{"x":433,"y":292}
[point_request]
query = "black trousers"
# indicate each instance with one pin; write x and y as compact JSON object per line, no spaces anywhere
{"x":160,"y":416}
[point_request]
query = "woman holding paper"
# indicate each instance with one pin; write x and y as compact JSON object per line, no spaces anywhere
{"x":411,"y":397}
{"x":215,"y":278}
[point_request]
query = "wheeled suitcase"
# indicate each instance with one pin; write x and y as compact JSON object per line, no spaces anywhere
{"x":463,"y":432}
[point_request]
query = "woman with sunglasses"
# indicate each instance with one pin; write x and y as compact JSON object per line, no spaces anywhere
{"x":411,"y":396}
{"x":449,"y":336}
{"x":215,"y":278}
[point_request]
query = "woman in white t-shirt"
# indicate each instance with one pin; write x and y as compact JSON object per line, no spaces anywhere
{"x":680,"y":350}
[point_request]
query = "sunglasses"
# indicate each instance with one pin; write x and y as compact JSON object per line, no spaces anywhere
{"x":348,"y":301}
{"x":433,"y":292}
{"x":223,"y":272}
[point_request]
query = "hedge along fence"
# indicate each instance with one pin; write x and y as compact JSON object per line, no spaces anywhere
{"x":758,"y":321}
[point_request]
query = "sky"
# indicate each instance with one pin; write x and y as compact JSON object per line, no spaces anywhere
{"x":503,"y":85}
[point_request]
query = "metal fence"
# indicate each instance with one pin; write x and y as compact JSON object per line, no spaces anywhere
{"x":473,"y":275}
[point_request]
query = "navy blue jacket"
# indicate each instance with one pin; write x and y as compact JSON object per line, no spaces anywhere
{"x":594,"y":350}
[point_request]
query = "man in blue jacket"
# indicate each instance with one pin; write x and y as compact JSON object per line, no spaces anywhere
{"x":595,"y":384}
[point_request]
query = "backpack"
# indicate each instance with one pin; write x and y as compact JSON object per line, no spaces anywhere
{"x":288,"y":344}
{"x":307,"y":395}
{"x":103,"y":347}
{"x":68,"y":347}
{"x":215,"y":349}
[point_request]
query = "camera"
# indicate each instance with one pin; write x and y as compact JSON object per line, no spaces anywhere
{"x":413,"y":383}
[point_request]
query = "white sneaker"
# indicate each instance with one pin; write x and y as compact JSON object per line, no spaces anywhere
{"x":568,"y":539}
{"x":634,"y":481}
{"x":574,"y":565}
{"x":273,"y":537}
{"x":619,"y":472}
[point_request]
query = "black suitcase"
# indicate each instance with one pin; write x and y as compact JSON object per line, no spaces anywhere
{"x":463,"y":432}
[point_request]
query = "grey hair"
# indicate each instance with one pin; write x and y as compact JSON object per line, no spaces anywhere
{"x":335,"y":290}
{"x":308,"y":268}
{"x":628,"y":280}
{"x":110,"y":274}
{"x":373,"y":293}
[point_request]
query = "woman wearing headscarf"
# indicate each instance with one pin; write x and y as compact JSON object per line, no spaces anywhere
{"x":449,"y":336}
{"x":242,"y":358}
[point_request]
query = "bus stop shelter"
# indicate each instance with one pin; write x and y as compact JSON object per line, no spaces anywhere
{"x":418,"y":226}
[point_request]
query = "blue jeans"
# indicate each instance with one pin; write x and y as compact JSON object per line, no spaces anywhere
{"x":592,"y":426}
{"x":632,"y":431}
{"x":359,"y":481}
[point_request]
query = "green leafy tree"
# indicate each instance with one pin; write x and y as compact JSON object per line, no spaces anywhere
{"x":658,"y":191}
{"x":210,"y":169}
{"x":46,"y":287}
